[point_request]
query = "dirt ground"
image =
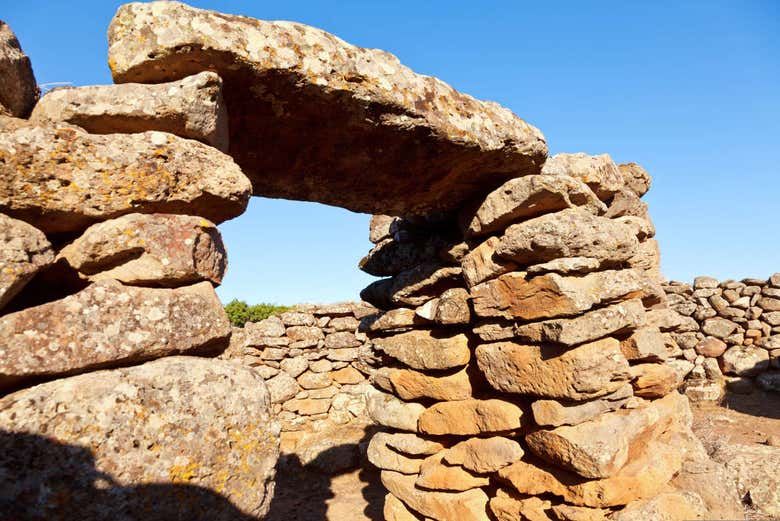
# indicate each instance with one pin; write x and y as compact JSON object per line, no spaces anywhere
{"x":358,"y":496}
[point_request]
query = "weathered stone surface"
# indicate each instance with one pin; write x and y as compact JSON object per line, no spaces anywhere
{"x":565,"y":266}
{"x":566,"y":512}
{"x":24,"y":250}
{"x":507,"y":506}
{"x":452,"y":308}
{"x":590,"y":326}
{"x":470,"y":417}
{"x":669,"y":506}
{"x":635,"y":177}
{"x":382,"y":456}
{"x":283,"y":79}
{"x":437,"y":475}
{"x":514,"y":296}
{"x":412,"y":385}
{"x":482,"y":263}
{"x":654,"y":380}
{"x":413,"y":287}
{"x":180,"y":436}
{"x":421,"y":349}
{"x":646,"y":343}
{"x":18,"y":88}
{"x":644,"y":476}
{"x":298,"y":318}
{"x":398,"y":319}
{"x":626,"y":203}
{"x":600,"y":448}
{"x":755,"y":467}
{"x":391,"y":257}
{"x":555,"y":413}
{"x":380,"y":227}
{"x":108,"y":324}
{"x":711,"y":347}
{"x":282,"y":387}
{"x":588,"y":371}
{"x":271,"y":327}
{"x":395,"y":510}
{"x":470,"y":505}
{"x":718,"y":327}
{"x":191,"y":108}
{"x":61,"y":179}
{"x":526,"y":197}
{"x":568,"y":233}
{"x":149,"y":249}
{"x":598,"y":172}
{"x":412,"y":444}
{"x":483,"y":455}
{"x":388,"y":411}
{"x":745,"y":360}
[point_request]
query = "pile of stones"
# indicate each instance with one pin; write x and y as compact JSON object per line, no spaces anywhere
{"x":728,"y":333}
{"x":109,"y":254}
{"x":524,"y":370}
{"x":316,"y":365}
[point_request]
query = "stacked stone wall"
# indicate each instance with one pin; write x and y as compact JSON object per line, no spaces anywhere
{"x":525,"y":372}
{"x":728,"y":333}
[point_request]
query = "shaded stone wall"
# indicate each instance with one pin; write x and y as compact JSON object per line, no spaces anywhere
{"x":728,"y":333}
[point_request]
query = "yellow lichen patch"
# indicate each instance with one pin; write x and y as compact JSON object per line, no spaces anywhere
{"x":182,"y":473}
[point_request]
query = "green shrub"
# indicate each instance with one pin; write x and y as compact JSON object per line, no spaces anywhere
{"x":239,"y":312}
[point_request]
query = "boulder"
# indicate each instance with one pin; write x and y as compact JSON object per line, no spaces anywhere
{"x":379,"y":227}
{"x":470,"y":505}
{"x":421,"y":349}
{"x":283,"y":79}
{"x":600,"y":448}
{"x":412,"y":385}
{"x":711,"y":347}
{"x":718,"y":327}
{"x":584,"y":372}
{"x":484,"y":455}
{"x":598,"y":172}
{"x":398,"y":319}
{"x":507,"y":506}
{"x":24,"y":250}
{"x":149,"y":250}
{"x":646,"y":344}
{"x":61,"y":179}
{"x":555,"y":413}
{"x":514,"y":296}
{"x":391,"y":257}
{"x":745,"y":360}
{"x":395,"y":510}
{"x":388,"y":411}
{"x":282,"y":387}
{"x":470,"y":417}
{"x":107,"y":325}
{"x":18,"y":88}
{"x":654,"y":380}
{"x":191,"y":108}
{"x":526,"y":197}
{"x":180,"y":436}
{"x":411,"y":444}
{"x":568,"y":233}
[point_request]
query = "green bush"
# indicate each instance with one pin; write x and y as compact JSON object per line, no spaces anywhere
{"x":239,"y":312}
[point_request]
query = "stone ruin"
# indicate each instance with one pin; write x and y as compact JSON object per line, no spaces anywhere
{"x":522,"y":352}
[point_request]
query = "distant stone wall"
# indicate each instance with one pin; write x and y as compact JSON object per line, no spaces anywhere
{"x":728,"y":333}
{"x":316,"y":364}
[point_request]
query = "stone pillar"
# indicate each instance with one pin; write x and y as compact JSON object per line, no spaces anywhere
{"x":523,"y":374}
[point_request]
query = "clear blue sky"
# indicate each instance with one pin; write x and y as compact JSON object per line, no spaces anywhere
{"x":689,"y":89}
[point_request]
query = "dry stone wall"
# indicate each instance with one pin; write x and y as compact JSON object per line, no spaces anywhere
{"x":316,"y":363}
{"x":728,"y":333}
{"x":523,"y":372}
{"x":518,"y":359}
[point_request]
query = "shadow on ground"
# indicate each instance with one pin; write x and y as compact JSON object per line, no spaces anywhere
{"x":43,"y":480}
{"x":758,"y":403}
{"x":341,"y":473}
